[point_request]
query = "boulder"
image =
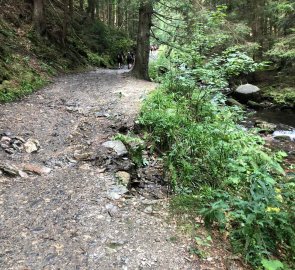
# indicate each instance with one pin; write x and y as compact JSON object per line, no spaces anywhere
{"x":247,"y":89}
{"x":117,"y":146}
{"x":265,"y":127}
{"x":247,"y":92}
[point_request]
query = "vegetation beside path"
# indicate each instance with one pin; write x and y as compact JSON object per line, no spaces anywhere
{"x":220,"y":172}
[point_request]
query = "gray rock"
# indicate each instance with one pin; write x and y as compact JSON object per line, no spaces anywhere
{"x":31,"y":146}
{"x":265,"y":126}
{"x":5,"y":139}
{"x":9,"y":169}
{"x":116,"y":192}
{"x":117,"y":146}
{"x":87,"y":156}
{"x":247,"y":89}
{"x":148,"y":210}
{"x":102,"y":114}
{"x":18,"y":138}
{"x":112,"y":209}
{"x":233,"y":102}
{"x":23,"y":174}
{"x":123,"y":177}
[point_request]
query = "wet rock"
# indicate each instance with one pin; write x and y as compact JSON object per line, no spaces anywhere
{"x":284,"y":135}
{"x":259,"y":106}
{"x":116,"y":192}
{"x":265,"y":127}
{"x":9,"y":169}
{"x":123,"y":177}
{"x":31,"y":146}
{"x":233,"y":102}
{"x":117,"y":146}
{"x":36,"y":169}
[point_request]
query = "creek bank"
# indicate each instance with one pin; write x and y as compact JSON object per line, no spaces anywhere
{"x":277,"y":128}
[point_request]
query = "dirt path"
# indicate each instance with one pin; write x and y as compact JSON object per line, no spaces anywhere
{"x":72,"y":217}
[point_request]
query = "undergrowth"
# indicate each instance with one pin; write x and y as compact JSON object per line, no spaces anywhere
{"x":225,"y":173}
{"x":218,"y":170}
{"x":28,"y":60}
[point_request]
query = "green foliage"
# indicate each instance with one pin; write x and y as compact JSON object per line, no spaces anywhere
{"x":159,"y":66}
{"x":135,"y":147}
{"x":97,"y":60}
{"x":280,"y":95}
{"x":233,"y":180}
{"x":217,"y":169}
{"x":283,"y":48}
{"x":272,"y":264}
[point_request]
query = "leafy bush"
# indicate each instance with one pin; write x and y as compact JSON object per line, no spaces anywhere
{"x":236,"y":183}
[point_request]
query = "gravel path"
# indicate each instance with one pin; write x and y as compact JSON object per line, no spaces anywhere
{"x":66,"y":219}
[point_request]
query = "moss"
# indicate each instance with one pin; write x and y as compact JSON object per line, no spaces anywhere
{"x":280,"y":95}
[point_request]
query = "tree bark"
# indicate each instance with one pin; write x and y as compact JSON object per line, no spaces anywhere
{"x":81,"y":2}
{"x":38,"y":16}
{"x":71,"y":8}
{"x":141,"y":66}
{"x":120,"y":13}
{"x":65,"y":21}
{"x":91,"y":9}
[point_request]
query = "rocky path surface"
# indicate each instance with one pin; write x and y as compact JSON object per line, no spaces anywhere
{"x":61,"y":206}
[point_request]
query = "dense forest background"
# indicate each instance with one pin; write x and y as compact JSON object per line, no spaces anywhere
{"x":62,"y":35}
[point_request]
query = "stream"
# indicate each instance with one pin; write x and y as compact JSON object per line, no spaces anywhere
{"x":278,"y":117}
{"x":282,"y":136}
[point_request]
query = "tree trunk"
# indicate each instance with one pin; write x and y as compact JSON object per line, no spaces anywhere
{"x":81,"y":5}
{"x":110,"y":13}
{"x":141,"y":66}
{"x":38,"y":16}
{"x":65,"y":21}
{"x":91,"y":9}
{"x":120,"y":13}
{"x":71,"y":8}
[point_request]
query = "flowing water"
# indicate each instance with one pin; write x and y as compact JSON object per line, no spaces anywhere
{"x":285,"y":117}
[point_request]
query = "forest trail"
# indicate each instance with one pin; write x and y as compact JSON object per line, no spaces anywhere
{"x":74,"y":217}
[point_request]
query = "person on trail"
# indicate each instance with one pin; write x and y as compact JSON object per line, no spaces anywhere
{"x":129,"y":60}
{"x":120,"y":59}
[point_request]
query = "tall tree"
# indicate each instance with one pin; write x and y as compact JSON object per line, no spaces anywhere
{"x":39,"y":16}
{"x":140,"y":69}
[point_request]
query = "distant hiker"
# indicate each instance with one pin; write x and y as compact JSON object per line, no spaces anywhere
{"x":129,"y":60}
{"x":120,"y":59}
{"x":151,"y":49}
{"x":133,"y":57}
